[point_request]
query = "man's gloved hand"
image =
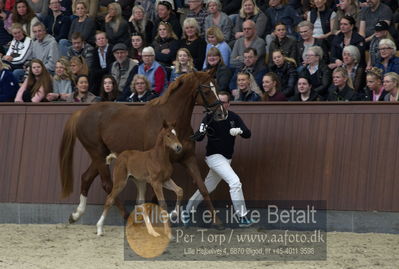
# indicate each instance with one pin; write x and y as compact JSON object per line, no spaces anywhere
{"x":202,"y":128}
{"x":235,"y":131}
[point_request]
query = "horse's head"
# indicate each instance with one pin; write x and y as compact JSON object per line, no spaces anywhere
{"x":207,"y":96}
{"x":169,"y":136}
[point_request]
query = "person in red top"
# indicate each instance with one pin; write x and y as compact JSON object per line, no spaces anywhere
{"x":152,"y":70}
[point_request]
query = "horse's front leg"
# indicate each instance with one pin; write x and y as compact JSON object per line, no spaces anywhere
{"x":157,"y":187}
{"x":190,"y":163}
{"x":171,"y":185}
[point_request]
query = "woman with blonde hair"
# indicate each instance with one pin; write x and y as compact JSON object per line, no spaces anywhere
{"x":20,"y":50}
{"x":37,"y":85}
{"x":374,"y":90}
{"x":342,"y":88}
{"x":165,"y":44}
{"x":193,"y":42}
{"x":215,"y":39}
{"x":250,"y":11}
{"x":391,"y":85}
{"x":82,"y":24}
{"x":63,"y":82}
{"x":389,"y":62}
{"x":141,"y":90}
{"x":182,"y":65}
{"x":116,"y":27}
{"x":139,"y":23}
{"x":223,"y":74}
{"x":78,"y":66}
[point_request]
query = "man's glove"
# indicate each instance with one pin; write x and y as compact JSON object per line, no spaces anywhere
{"x":235,"y":131}
{"x":202,"y":128}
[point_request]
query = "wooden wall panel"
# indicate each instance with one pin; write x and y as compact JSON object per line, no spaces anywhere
{"x":12,"y":121}
{"x":344,"y":153}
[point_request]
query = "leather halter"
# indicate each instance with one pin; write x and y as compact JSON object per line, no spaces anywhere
{"x":206,"y":105}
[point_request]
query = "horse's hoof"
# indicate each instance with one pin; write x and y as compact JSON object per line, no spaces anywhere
{"x":71,"y":220}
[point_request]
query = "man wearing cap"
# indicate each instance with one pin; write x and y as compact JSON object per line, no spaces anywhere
{"x":370,"y":15}
{"x":381,"y":32}
{"x":124,"y":68}
{"x":152,"y":70}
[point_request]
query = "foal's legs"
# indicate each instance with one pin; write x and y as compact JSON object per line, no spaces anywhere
{"x":171,"y":185}
{"x":157,"y":186}
{"x":87,"y":178}
{"x":120,"y":180}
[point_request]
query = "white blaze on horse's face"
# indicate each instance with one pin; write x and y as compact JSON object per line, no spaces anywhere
{"x":222,"y":109}
{"x":174,"y":132}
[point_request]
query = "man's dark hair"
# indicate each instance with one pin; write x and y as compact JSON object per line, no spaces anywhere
{"x":251,"y":49}
{"x":77,"y":35}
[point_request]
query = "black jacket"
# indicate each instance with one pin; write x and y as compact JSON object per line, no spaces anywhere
{"x":337,"y":46}
{"x":320,"y":80}
{"x":219,"y":139}
{"x":60,"y":28}
{"x":318,"y":42}
{"x":313,"y":97}
{"x":168,"y":43}
{"x":288,"y":77}
{"x":346,"y":94}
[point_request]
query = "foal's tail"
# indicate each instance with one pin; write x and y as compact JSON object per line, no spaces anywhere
{"x":66,"y":154}
{"x":110,"y":158}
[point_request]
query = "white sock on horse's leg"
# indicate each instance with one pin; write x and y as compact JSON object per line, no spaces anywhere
{"x":81,"y":208}
{"x":100,"y":224}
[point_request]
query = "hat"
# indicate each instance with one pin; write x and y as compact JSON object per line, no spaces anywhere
{"x":381,"y":26}
{"x":119,"y":46}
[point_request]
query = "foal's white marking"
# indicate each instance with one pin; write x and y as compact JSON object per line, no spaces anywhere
{"x":174,"y":132}
{"x":81,"y":208}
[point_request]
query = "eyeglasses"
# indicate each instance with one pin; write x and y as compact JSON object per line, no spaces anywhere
{"x":147,"y":55}
{"x":384,"y":48}
{"x":309,"y":55}
{"x":139,"y":83}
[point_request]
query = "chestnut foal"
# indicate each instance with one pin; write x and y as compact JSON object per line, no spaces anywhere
{"x":152,"y":166}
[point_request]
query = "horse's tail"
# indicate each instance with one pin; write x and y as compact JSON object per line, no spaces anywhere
{"x":66,"y":154}
{"x":110,"y":158}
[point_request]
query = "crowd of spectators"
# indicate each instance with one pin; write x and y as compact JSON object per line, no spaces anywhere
{"x":262,"y":50}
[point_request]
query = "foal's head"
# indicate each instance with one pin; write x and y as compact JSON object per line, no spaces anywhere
{"x":169,"y":136}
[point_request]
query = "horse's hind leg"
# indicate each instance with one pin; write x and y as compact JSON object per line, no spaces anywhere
{"x":106,"y":183}
{"x":87,"y":178}
{"x":171,"y":185}
{"x":120,"y":180}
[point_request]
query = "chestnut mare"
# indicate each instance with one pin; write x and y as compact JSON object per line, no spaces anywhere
{"x":108,"y":127}
{"x":153,"y":167}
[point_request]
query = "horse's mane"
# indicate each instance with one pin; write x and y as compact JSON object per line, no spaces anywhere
{"x":173,"y":87}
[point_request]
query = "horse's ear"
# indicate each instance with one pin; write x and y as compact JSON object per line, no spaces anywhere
{"x":165,"y":124}
{"x":212,"y":72}
{"x":173,"y":124}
